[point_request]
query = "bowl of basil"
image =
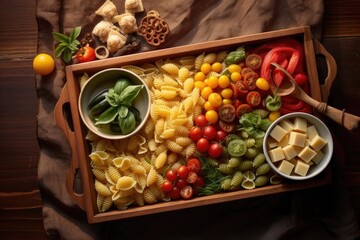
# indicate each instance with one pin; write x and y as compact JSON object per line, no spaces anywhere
{"x":114,"y":103}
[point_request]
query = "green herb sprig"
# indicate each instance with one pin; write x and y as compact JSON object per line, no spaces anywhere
{"x":68,"y":45}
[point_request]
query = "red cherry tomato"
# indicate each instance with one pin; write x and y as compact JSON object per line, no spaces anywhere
{"x":200,"y":182}
{"x":250,"y":80}
{"x":166,"y":186}
{"x":174,"y":193}
{"x":253,"y":61}
{"x":202,"y":144}
{"x":220,"y":135}
{"x":201,"y":120}
{"x":192,"y":177}
{"x":243,"y":108}
{"x":227,"y":113}
{"x":181,"y":183}
{"x":301,"y":79}
{"x":171,"y":175}
{"x":227,"y":127}
{"x":195,"y":133}
{"x":209,"y":132}
{"x":183,"y":172}
{"x":246,"y":70}
{"x":194,"y":165}
{"x":253,"y":98}
{"x":85,"y":54}
{"x":186,"y":192}
{"x":236,"y":103}
{"x":234,"y":89}
{"x":242,"y":89}
{"x":215,"y":150}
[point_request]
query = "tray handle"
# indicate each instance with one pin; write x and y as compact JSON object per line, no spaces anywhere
{"x":70,"y":135}
{"x":331,"y":69}
{"x":347,"y":120}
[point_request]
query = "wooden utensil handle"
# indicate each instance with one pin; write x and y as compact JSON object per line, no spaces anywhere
{"x":70,"y":135}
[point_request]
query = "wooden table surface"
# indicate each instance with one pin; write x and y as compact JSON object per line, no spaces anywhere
{"x":20,"y":200}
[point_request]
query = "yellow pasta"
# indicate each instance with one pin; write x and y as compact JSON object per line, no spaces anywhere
{"x":170,"y":68}
{"x":188,"y":85}
{"x":123,"y":203}
{"x":160,"y":160}
{"x":173,"y":146}
{"x":183,"y":74}
{"x":99,"y":174}
{"x":102,"y":189}
{"x":125,"y":183}
{"x":168,"y":133}
{"x":134,"y":69}
{"x":104,"y":203}
{"x":149,"y":197}
{"x":113,"y":173}
{"x":151,"y":177}
{"x":169,"y":81}
{"x":210,"y":58}
{"x":199,"y":61}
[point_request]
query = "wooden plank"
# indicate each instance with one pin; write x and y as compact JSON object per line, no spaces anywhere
{"x":341,"y":18}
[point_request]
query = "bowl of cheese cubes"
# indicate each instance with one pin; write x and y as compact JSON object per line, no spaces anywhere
{"x":298,"y":146}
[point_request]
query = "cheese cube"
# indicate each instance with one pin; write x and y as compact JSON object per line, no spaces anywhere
{"x":301,"y":168}
{"x":286,"y":167}
{"x":307,"y":154}
{"x":312,"y":132}
{"x":271,"y":143}
{"x":318,"y":157}
{"x":297,"y":139}
{"x":276,"y":154}
{"x":287,"y":125}
{"x":300,"y":125}
{"x":278,"y":133}
{"x":284,"y":141}
{"x":289,"y":152}
{"x":317,"y":143}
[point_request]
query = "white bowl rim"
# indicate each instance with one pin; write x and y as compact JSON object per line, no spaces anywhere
{"x":289,"y":116}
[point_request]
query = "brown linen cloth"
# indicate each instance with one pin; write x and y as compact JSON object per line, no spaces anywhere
{"x":321,"y":213}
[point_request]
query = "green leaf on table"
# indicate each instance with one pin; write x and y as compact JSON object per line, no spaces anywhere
{"x":60,"y":49}
{"x":67,"y":55}
{"x":75,"y":33}
{"x":62,"y":38}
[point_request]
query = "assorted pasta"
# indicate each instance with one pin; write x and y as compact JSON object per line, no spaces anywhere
{"x":130,"y":172}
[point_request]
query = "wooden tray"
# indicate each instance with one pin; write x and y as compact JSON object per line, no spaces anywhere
{"x":68,"y":119}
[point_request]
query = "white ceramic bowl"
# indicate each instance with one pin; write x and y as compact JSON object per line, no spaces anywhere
{"x":106,"y":79}
{"x":327,"y":150}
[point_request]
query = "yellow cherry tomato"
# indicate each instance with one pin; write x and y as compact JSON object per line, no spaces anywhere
{"x":215,"y":99}
{"x":211,"y":116}
{"x":208,"y":106}
{"x":227,"y":93}
{"x":205,"y":68}
{"x":234,"y":68}
{"x":199,"y":76}
{"x":216,"y":67}
{"x":212,"y":82}
{"x":205,"y":92}
{"x":226,"y":101}
{"x":199,"y":84}
{"x":235,"y":76}
{"x":43,"y":64}
{"x":274,"y":115}
{"x":262,"y":84}
{"x":224,"y":81}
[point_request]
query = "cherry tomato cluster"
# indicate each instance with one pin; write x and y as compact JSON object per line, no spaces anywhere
{"x":238,"y":90}
{"x":207,"y":137}
{"x":184,"y":181}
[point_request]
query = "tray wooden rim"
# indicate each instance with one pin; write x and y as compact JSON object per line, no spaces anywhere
{"x":76,"y":136}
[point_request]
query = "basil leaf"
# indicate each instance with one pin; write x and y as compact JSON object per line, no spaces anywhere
{"x":75,"y":33}
{"x":67,"y":55}
{"x":129,"y":94}
{"x":112,"y":98}
{"x":123,"y":111}
{"x":60,"y":49}
{"x":128,"y":123}
{"x":61,"y":37}
{"x":107,"y":116}
{"x":121,"y":84}
{"x":136,"y":113}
